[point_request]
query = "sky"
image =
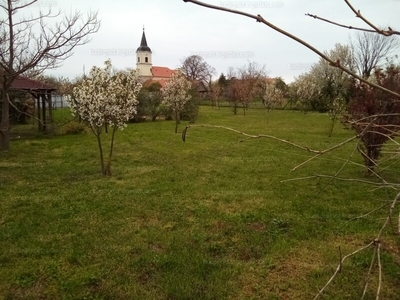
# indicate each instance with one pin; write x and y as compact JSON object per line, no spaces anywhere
{"x":175,"y":30}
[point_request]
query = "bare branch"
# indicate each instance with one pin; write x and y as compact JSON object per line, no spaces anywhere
{"x":392,"y":32}
{"x":338,"y":24}
{"x":378,"y":254}
{"x":359,"y":15}
{"x":398,"y":225}
{"x":340,"y":265}
{"x":371,"y":265}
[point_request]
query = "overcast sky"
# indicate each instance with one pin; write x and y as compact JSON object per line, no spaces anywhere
{"x":175,"y":30}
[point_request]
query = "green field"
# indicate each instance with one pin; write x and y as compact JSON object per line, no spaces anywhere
{"x":211,"y":218}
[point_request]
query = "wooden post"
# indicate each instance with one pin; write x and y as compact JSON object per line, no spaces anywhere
{"x":37,"y":98}
{"x":50,"y":105}
{"x":43,"y":111}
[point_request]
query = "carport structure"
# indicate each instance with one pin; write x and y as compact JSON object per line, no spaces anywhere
{"x":41,"y":92}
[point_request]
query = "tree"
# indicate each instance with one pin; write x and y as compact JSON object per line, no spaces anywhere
{"x":370,"y":50}
{"x":150,"y":99}
{"x":106,"y":98}
{"x":236,"y":92}
{"x":302,"y":91}
{"x":176,"y":93}
{"x":247,"y":85}
{"x":331,"y":83}
{"x":30,"y":43}
{"x":195,"y":68}
{"x":375,"y":115}
{"x":280,"y":84}
{"x":272,"y":96}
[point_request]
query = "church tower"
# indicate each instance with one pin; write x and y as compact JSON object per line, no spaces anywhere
{"x":143,"y":58}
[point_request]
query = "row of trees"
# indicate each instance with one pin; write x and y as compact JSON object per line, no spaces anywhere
{"x":246,"y":84}
{"x":240,"y":86}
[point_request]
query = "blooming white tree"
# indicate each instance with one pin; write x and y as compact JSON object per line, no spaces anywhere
{"x":176,"y":93}
{"x":106,"y":98}
{"x":303,"y":89}
{"x":272,"y":96}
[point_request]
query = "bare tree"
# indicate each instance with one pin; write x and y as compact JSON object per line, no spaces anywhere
{"x":195,"y":68}
{"x":370,"y":50}
{"x":31,"y":43}
{"x":250,"y":78}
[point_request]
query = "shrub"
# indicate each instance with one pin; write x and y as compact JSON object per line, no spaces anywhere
{"x":191,"y":109}
{"x":73,"y":127}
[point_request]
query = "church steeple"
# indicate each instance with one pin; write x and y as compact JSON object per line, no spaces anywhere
{"x":143,"y":58}
{"x":143,"y":44}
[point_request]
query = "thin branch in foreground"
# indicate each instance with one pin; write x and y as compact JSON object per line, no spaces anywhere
{"x":378,"y":254}
{"x":389,"y":32}
{"x":359,"y":15}
{"x":252,"y":136}
{"x":393,"y":185}
{"x":340,"y":265}
{"x":363,"y":216}
{"x":368,"y":278}
{"x":398,"y":231}
{"x":338,"y":24}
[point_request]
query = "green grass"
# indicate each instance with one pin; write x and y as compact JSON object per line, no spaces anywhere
{"x":206,"y":219}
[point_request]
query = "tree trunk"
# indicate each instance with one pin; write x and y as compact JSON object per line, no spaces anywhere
{"x":177,"y":121}
{"x":101,"y":152}
{"x":5,"y":122}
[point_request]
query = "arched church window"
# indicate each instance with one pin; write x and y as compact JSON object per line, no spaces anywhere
{"x":146,"y":59}
{"x":138,"y":59}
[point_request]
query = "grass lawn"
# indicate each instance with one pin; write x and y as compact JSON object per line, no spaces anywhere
{"x":211,"y":218}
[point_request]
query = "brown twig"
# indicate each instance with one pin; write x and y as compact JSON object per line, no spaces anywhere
{"x":340,"y":179}
{"x":257,"y":136}
{"x":378,"y":254}
{"x":398,"y":226}
{"x":339,"y":267}
{"x":389,"y":32}
{"x":364,"y":215}
{"x":359,"y":15}
{"x":338,"y":24}
{"x":368,"y":278}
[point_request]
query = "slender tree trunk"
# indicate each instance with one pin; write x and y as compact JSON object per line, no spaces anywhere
{"x":332,"y":125}
{"x":101,"y":152}
{"x":107,"y":167}
{"x":235,"y":108}
{"x":5,"y":122}
{"x":177,"y":121}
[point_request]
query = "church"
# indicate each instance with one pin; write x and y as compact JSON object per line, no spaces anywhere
{"x":145,"y":66}
{"x":149,"y":73}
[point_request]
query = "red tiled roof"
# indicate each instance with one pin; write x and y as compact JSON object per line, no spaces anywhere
{"x":162,"y":82}
{"x":162,"y":72}
{"x":25,"y":83}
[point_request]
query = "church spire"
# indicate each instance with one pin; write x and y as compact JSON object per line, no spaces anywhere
{"x":143,"y":43}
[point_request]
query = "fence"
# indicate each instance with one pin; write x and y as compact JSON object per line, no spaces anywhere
{"x":58,"y":101}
